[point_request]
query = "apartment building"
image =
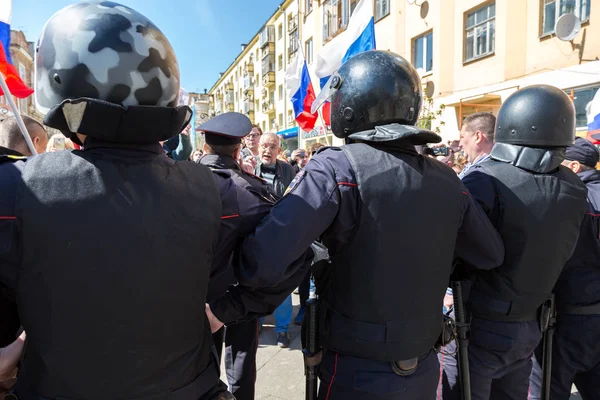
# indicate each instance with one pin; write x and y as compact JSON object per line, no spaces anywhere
{"x":254,"y":84}
{"x":22,"y":54}
{"x":471,"y":55}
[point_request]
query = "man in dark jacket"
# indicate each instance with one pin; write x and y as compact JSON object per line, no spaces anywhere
{"x":98,"y":242}
{"x":537,"y":206}
{"x":576,"y":348}
{"x":373,"y":203}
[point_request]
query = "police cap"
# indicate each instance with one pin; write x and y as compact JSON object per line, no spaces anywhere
{"x":226,"y":129}
{"x":583,"y":151}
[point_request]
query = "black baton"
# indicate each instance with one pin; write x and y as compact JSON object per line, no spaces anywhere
{"x":462,"y":340}
{"x":312,"y":350}
{"x":550,"y":308}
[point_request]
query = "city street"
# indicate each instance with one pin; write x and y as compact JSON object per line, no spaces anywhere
{"x":280,"y":372}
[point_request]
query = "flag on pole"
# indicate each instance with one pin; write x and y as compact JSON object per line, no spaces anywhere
{"x":15,"y":84}
{"x":593,"y":118}
{"x":301,"y":93}
{"x":358,"y":37}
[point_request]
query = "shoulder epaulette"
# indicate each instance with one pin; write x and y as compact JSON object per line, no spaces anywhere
{"x":11,"y":158}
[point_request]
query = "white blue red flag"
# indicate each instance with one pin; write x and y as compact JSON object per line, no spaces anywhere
{"x":593,"y":118}
{"x":15,"y":84}
{"x":301,"y":92}
{"x":358,"y":37}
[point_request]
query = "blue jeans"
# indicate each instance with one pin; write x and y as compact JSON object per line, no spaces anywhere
{"x":283,"y":316}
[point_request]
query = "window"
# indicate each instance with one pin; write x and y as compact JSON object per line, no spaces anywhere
{"x":280,"y":92}
{"x":267,"y":35}
{"x":257,"y":80}
{"x":268,"y":63}
{"x":23,"y":72}
{"x":423,"y":52}
{"x":280,"y":61}
{"x":552,"y":9}
{"x":280,"y":120}
{"x":308,"y":51}
{"x":382,"y":9}
{"x":294,"y":43}
{"x":307,"y":6}
{"x":582,"y":97}
{"x":336,"y":14}
{"x":280,"y":31}
{"x":264,"y":129}
{"x":480,"y":32}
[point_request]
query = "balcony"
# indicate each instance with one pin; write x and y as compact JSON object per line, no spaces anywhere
{"x":265,"y":93}
{"x":268,"y":80}
{"x":293,"y":23}
{"x":229,"y":97}
{"x":229,"y":107}
{"x":249,"y":108}
{"x":268,"y":107}
{"x":267,"y":36}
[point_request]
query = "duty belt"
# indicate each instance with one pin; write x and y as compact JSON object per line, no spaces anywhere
{"x":590,"y":309}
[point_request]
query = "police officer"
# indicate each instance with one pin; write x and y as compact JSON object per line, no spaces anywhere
{"x":392,"y":221}
{"x":114,"y":243}
{"x":576,"y":347}
{"x":246,"y":199}
{"x":537,"y":206}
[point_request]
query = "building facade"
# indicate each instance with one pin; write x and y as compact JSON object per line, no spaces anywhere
{"x":22,"y":54}
{"x":471,"y":55}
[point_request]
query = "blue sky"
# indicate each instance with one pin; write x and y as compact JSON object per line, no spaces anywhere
{"x":206,"y":34}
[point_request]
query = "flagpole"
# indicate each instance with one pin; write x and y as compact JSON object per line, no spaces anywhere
{"x":17,"y":115}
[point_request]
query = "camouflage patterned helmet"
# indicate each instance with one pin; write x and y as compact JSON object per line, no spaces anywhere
{"x":105,"y":51}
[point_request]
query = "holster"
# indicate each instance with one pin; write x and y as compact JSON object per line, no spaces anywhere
{"x":448,"y":333}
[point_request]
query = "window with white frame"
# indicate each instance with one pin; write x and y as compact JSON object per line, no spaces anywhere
{"x":336,"y":14}
{"x":423,"y":52}
{"x":308,"y":50}
{"x":280,"y":92}
{"x":307,"y":6}
{"x":480,"y":32}
{"x":552,"y":9}
{"x":582,"y":99}
{"x":382,"y":9}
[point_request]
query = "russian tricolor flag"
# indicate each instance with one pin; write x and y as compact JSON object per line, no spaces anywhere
{"x":15,"y":84}
{"x":358,"y":37}
{"x":300,"y":91}
{"x":593,"y":118}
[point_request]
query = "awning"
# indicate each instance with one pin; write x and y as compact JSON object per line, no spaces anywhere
{"x":289,"y":133}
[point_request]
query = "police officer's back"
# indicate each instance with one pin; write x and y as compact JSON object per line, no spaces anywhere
{"x":537,"y":206}
{"x":115,"y":240}
{"x":576,"y":349}
{"x":391,"y":220}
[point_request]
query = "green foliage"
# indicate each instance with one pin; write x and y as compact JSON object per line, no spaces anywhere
{"x":430,"y":114}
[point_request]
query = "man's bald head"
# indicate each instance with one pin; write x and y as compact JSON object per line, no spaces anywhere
{"x":12,"y":138}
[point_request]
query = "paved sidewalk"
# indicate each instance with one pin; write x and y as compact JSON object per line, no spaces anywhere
{"x":280,"y":372}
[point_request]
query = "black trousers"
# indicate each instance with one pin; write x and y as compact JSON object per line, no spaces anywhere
{"x":241,"y":343}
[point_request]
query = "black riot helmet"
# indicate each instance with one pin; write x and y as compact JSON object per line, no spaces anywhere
{"x":537,"y":116}
{"x":371,"y":89}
